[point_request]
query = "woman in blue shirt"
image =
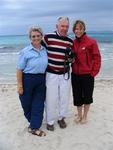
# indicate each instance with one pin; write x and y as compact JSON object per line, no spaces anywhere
{"x":31,"y":67}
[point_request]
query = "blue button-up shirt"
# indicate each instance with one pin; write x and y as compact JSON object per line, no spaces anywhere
{"x":32,"y":61}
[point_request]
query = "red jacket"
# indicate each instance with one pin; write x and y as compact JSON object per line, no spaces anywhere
{"x":88,"y":59}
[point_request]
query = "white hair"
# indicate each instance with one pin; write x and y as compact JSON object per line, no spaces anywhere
{"x":35,"y":28}
{"x":62,"y":19}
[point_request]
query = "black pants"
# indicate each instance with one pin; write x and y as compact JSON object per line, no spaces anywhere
{"x":82,"y":86}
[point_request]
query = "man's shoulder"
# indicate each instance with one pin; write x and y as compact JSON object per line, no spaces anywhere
{"x":70,"y":39}
{"x":50,"y":34}
{"x":55,"y":36}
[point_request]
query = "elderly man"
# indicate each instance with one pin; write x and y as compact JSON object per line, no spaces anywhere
{"x":57,"y":81}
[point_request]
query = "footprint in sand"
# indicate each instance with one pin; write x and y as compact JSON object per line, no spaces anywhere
{"x":22,"y":132}
{"x":80,"y":146}
{"x":106,"y":137}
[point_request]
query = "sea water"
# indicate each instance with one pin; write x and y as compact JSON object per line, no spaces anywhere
{"x":11,"y":45}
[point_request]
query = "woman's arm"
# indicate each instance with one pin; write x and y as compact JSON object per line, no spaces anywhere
{"x":19,"y":75}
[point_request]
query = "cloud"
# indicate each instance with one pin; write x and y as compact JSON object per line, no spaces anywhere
{"x":19,"y":14}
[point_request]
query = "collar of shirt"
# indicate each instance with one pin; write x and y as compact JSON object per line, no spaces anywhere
{"x":60,"y":35}
{"x":33,"y":48}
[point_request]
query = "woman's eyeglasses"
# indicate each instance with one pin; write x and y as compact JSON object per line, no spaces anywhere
{"x":34,"y":36}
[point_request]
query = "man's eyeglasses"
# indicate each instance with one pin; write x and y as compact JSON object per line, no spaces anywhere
{"x":34,"y":36}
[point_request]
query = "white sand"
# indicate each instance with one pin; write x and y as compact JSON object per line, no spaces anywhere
{"x":97,"y":134}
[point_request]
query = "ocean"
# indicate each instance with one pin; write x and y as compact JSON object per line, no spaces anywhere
{"x":11,"y":45}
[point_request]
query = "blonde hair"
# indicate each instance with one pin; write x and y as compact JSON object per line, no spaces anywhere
{"x":35,"y":28}
{"x":81,"y":23}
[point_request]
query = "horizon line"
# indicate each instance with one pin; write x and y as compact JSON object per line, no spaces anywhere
{"x":88,"y":31}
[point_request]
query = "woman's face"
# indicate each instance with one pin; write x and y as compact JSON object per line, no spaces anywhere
{"x":79,"y":30}
{"x":35,"y":37}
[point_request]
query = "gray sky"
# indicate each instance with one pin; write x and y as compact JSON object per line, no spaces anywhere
{"x":17,"y":15}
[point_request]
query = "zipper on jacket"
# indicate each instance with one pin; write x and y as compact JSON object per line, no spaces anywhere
{"x":78,"y":58}
{"x":87,"y":58}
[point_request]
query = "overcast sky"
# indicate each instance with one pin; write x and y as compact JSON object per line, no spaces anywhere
{"x":17,"y":15}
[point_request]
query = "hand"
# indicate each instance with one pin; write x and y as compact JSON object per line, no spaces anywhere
{"x":20,"y":89}
{"x":73,"y":60}
{"x":93,"y":73}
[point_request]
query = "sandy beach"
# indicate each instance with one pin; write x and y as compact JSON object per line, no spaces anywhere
{"x":97,"y":134}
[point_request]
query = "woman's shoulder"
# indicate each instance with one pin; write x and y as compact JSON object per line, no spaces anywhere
{"x":27,"y":48}
{"x":43,"y":49}
{"x":90,"y":39}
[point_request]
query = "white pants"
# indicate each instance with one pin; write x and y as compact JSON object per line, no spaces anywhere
{"x":57,"y":96}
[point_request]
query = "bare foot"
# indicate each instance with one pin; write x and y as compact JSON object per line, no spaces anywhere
{"x":78,"y":119}
{"x":83,"y":121}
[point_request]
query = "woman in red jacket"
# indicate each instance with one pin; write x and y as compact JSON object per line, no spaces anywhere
{"x":84,"y":69}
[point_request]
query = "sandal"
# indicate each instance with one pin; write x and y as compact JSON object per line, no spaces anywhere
{"x":38,"y":132}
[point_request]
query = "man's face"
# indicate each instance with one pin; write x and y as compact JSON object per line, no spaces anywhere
{"x":62,"y":27}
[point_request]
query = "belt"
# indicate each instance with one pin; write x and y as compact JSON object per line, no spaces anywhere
{"x":55,"y":72}
{"x":34,"y":73}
